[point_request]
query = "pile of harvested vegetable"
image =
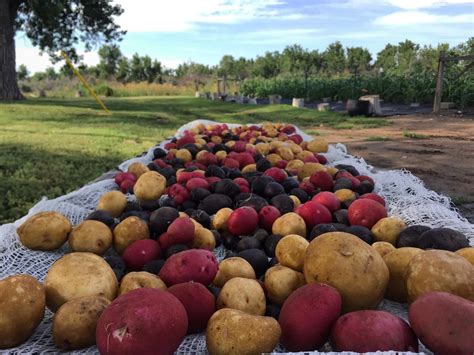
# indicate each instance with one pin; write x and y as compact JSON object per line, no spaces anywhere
{"x":250,"y":237}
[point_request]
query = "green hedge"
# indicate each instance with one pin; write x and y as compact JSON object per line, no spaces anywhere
{"x":406,"y":88}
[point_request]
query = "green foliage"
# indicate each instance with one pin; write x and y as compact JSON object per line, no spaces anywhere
{"x":358,"y":59}
{"x":334,"y":58}
{"x":377,"y":139}
{"x":110,"y":57}
{"x":104,"y":90}
{"x":59,"y":25}
{"x":22,"y":73}
{"x":144,"y":69}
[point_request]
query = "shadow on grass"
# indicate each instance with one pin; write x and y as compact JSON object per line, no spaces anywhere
{"x":28,"y":173}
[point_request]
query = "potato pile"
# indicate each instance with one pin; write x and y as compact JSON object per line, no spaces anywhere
{"x":311,"y":254}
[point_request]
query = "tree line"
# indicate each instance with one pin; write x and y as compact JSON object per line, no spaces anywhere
{"x":334,"y":62}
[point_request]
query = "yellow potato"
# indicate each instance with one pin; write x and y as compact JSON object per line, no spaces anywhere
{"x":309,"y":169}
{"x":129,"y":230}
{"x":383,"y":248}
{"x":295,"y":165}
{"x":318,"y":145}
{"x":397,"y":262}
{"x":289,"y":223}
{"x":345,"y":195}
{"x":249,"y":168}
{"x":296,"y":200}
{"x":149,"y":186}
{"x":388,"y":229}
{"x":140,"y":279}
{"x":75,"y":322}
{"x":233,"y":332}
{"x":290,"y":251}
{"x":233,"y":267}
{"x":76,"y":275}
{"x":22,"y":304}
{"x":184,"y":155}
{"x":351,"y":266}
{"x":273,"y":158}
{"x":439,"y":270}
{"x":203,"y":239}
{"x":219,"y":221}
{"x":467,"y":253}
{"x":91,"y":236}
{"x":44,"y":231}
{"x":281,"y":281}
{"x":243,"y":294}
{"x":137,"y":169}
{"x":285,"y":153}
{"x":112,"y":201}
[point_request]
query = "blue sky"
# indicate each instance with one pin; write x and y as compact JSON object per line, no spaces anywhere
{"x":204,"y":30}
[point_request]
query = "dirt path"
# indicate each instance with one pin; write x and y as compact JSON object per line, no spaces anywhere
{"x":439,"y":150}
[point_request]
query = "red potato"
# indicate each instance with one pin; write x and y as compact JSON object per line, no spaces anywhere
{"x":198,"y":312}
{"x":276,"y":173}
{"x":242,"y":221}
{"x":244,"y":159}
{"x":307,"y":316}
{"x":444,"y":322}
{"x":180,"y":231}
{"x":323,"y":180}
{"x":365,"y":178}
{"x":212,"y":179}
{"x":179,"y":193}
{"x":365,"y":212}
{"x":306,"y":186}
{"x":328,"y":199}
{"x":121,"y":177}
{"x":322,"y":159}
{"x":198,"y":265}
{"x":268,"y":215}
{"x":375,"y":197}
{"x":183,"y":176}
{"x":311,"y":159}
{"x":314,"y":213}
{"x":195,"y":183}
{"x":137,"y":254}
{"x":368,"y":330}
{"x":142,"y":321}
{"x":207,"y":159}
{"x":127,"y":186}
{"x":230,"y":163}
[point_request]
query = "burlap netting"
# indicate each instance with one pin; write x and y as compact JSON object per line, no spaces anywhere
{"x":405,"y":194}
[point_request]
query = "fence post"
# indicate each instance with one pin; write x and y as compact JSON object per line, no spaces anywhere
{"x":439,"y":84}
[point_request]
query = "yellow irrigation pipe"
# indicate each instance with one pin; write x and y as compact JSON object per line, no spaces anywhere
{"x":84,"y":82}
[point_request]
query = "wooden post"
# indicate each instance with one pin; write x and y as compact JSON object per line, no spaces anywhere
{"x":439,"y":84}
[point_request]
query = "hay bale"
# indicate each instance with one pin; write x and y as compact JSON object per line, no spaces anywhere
{"x":324,"y":107}
{"x":274,"y":99}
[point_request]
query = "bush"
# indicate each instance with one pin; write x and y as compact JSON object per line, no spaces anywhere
{"x":394,"y":88}
{"x":25,"y":89}
{"x":104,"y":90}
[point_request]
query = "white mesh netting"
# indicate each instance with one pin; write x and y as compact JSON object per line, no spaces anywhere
{"x":405,"y":194}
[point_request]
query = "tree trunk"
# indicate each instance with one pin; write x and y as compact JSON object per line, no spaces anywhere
{"x":8,"y":81}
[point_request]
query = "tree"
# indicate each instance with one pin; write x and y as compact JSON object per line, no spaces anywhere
{"x":109,"y":60}
{"x":51,"y":73}
{"x":22,"y":72}
{"x":268,"y":66}
{"x":387,"y":58}
{"x":52,"y":26}
{"x":299,"y":60}
{"x":226,"y":66}
{"x":123,"y":70}
{"x":358,"y":59}
{"x":334,"y":58}
{"x":151,"y":69}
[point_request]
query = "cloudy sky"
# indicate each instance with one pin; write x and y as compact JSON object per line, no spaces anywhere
{"x":181,"y":30}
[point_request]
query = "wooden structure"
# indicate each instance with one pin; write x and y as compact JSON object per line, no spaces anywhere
{"x":222,"y":84}
{"x":443,"y":59}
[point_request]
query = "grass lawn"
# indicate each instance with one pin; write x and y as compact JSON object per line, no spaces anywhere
{"x":49,"y":147}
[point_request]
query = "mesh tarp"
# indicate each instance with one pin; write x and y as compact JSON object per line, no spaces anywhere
{"x":405,"y":194}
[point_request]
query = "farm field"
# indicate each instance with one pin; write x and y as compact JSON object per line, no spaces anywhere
{"x":62,"y":144}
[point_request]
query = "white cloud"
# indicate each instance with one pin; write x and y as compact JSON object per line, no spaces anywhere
{"x":35,"y":61}
{"x":404,"y":18}
{"x":185,"y":15}
{"x":424,"y":4}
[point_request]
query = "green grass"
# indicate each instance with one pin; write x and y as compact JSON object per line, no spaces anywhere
{"x":49,"y":147}
{"x":412,"y":135}
{"x":377,"y":139}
